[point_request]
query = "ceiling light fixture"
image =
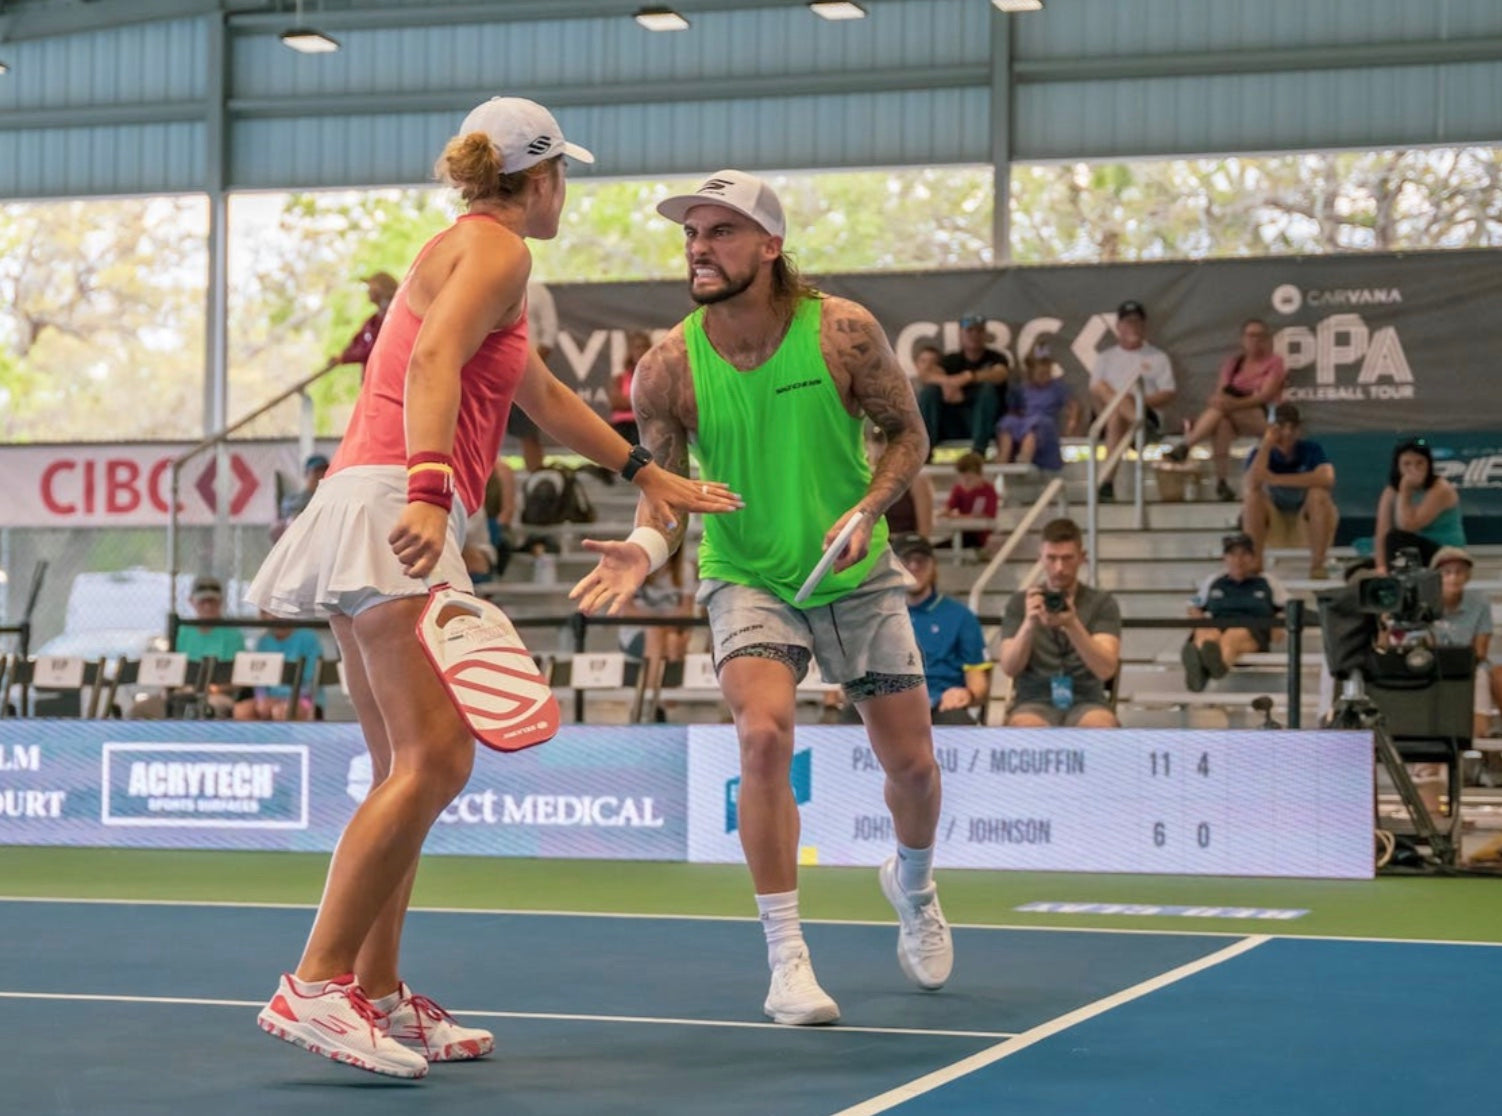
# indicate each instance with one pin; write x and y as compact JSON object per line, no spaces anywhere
{"x":1017,"y":5}
{"x":305,"y":40}
{"x":836,"y":9}
{"x":661,"y":19}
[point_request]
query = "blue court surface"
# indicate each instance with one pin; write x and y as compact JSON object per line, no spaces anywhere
{"x":127,"y":1008}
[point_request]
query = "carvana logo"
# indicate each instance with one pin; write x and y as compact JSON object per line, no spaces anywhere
{"x":803,"y":788}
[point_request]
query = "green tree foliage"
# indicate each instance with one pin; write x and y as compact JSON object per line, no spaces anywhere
{"x":102,"y":302}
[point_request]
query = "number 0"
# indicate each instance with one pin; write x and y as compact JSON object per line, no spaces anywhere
{"x":1202,"y":835}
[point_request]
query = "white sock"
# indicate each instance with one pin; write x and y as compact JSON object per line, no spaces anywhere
{"x":386,"y":1004}
{"x":915,"y":868}
{"x":779,"y":921}
{"x":307,"y":987}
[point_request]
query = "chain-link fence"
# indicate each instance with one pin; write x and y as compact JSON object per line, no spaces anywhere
{"x":105,"y":590}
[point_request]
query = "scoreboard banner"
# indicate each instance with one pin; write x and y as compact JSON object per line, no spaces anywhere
{"x":1248,"y":803}
{"x":1152,"y":801}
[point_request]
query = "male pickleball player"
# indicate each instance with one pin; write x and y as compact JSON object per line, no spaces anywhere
{"x":769,"y":382}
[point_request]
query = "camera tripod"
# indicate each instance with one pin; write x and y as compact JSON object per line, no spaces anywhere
{"x":1354,"y":709}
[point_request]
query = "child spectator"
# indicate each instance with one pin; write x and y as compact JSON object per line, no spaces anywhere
{"x":1045,"y":409}
{"x":971,"y":498}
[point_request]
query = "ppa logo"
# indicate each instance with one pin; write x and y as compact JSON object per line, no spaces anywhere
{"x":803,"y":788}
{"x":1341,"y":343}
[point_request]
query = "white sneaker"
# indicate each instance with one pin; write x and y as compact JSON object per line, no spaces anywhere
{"x":338,"y":1022}
{"x":925,"y":949}
{"x":795,"y":997}
{"x":421,"y":1025}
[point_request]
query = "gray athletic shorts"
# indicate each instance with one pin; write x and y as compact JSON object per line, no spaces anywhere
{"x":864,"y":641}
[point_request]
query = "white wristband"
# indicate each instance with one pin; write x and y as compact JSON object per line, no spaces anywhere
{"x":654,"y":543}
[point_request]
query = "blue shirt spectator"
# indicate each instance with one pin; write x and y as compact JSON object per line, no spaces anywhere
{"x":1305,"y":457}
{"x":954,"y":651}
{"x":292,"y":644}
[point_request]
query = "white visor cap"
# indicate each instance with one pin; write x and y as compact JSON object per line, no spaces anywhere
{"x":522,"y":131}
{"x":737,"y":190}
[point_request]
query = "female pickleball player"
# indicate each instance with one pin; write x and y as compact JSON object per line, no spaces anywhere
{"x":452,"y":358}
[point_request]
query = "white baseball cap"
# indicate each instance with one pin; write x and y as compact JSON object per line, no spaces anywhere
{"x":522,"y":131}
{"x":737,"y":190}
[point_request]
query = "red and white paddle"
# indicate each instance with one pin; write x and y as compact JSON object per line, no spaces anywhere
{"x":487,"y":670}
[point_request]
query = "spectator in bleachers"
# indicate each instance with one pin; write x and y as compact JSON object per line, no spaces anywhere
{"x":913,"y":511}
{"x":1040,"y":411}
{"x":1115,"y":367}
{"x":542,"y":333}
{"x":380,"y":288}
{"x":955,"y":665}
{"x":963,"y":397}
{"x":1467,"y":622}
{"x":272,"y":703}
{"x":927,"y":361}
{"x":1061,"y":641}
{"x":1240,"y":593}
{"x":1288,"y":497}
{"x":1418,"y":509}
{"x":972,"y":497}
{"x":500,"y":513}
{"x":313,"y":471}
{"x":222,"y":644}
{"x":1250,"y":382}
{"x":622,"y":417}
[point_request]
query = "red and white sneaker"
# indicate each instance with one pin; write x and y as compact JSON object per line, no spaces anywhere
{"x":338,"y":1022}
{"x":422,"y":1026}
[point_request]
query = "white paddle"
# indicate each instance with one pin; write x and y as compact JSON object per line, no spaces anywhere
{"x":487,"y":670}
{"x":835,"y":549}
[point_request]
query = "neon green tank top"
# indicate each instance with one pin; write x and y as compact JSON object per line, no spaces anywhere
{"x":779,"y":436}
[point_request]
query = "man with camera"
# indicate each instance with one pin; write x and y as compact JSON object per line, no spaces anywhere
{"x":1061,"y":641}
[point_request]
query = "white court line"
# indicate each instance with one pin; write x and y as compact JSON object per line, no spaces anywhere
{"x":561,"y":1017}
{"x":1028,"y":927}
{"x":1005,"y":1049}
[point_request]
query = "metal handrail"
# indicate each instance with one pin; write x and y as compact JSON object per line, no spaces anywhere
{"x":1093,"y":468}
{"x":305,"y":445}
{"x":1014,"y":540}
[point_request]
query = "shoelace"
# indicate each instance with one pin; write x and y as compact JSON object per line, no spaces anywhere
{"x":424,"y":1008}
{"x":363,"y":1007}
{"x":930,"y":926}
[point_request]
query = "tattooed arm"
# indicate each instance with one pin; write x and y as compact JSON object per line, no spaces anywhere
{"x":856,"y":346}
{"x":656,"y":393}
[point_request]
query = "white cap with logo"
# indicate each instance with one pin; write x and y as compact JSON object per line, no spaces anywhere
{"x":523,"y":132}
{"x":737,"y":190}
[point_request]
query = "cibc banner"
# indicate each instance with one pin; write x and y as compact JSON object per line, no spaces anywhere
{"x":1372,"y":343}
{"x":607,"y":793}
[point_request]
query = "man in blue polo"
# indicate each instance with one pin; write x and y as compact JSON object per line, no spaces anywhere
{"x":954,"y":651}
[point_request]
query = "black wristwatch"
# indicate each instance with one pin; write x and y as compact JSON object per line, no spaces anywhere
{"x":638,"y":457}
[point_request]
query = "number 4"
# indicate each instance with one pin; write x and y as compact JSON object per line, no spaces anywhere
{"x":1203,"y":767}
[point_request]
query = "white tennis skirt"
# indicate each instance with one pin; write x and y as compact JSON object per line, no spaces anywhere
{"x":335,"y":557}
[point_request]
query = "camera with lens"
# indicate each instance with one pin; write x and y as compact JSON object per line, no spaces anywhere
{"x":1055,"y":601}
{"x":1410,"y":594}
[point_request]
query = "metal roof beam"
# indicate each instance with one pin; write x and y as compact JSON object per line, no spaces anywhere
{"x":1435,"y":52}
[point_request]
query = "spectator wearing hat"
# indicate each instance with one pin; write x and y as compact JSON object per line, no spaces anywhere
{"x":380,"y":288}
{"x":1466,"y":621}
{"x":1288,"y":497}
{"x":1240,"y":593}
{"x":292,"y":503}
{"x":1114,"y":368}
{"x":222,"y":644}
{"x":1250,"y":382}
{"x":955,"y":665}
{"x":963,"y":397}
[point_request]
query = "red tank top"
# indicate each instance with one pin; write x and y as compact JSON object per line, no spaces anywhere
{"x":487,"y":384}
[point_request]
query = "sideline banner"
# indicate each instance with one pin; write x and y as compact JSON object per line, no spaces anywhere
{"x":608,"y":793}
{"x":1373,"y":343}
{"x":128,"y":484}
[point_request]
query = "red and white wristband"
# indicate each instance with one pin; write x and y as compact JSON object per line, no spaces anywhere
{"x":430,"y":479}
